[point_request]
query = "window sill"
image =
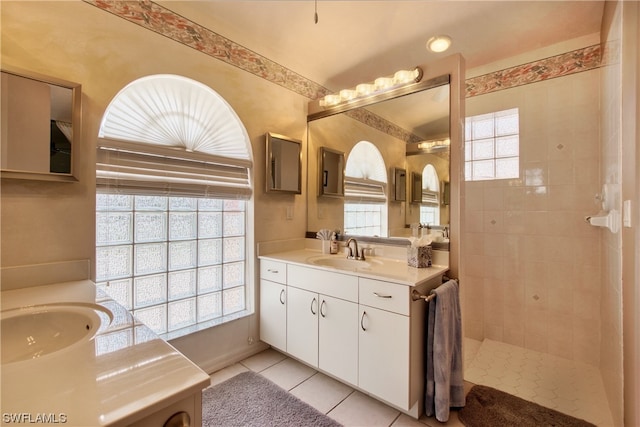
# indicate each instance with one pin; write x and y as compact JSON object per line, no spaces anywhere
{"x":204,"y":325}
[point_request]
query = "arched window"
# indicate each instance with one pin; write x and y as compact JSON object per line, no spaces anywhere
{"x":430,"y":207}
{"x":365,"y":204}
{"x":173,"y":179}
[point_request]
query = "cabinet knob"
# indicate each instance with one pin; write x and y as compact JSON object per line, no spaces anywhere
{"x":312,"y":303}
{"x":364,"y":313}
{"x":179,"y":419}
{"x":322,"y":311}
{"x":282,"y":297}
{"x":271,"y":270}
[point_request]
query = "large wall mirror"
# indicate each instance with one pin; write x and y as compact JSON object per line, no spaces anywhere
{"x":417,"y":129}
{"x":284,"y":164}
{"x":41,"y":133}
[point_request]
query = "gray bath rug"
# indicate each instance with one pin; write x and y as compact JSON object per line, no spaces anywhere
{"x":249,"y":399}
{"x":486,"y":406}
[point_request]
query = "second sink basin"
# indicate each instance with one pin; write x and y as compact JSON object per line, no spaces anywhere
{"x":35,"y":331}
{"x":343,"y":263}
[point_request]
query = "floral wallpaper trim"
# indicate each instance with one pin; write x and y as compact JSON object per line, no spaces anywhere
{"x":556,"y":66}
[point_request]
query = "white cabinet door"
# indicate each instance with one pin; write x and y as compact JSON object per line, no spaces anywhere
{"x":338,"y":338}
{"x":273,"y":314}
{"x":302,"y":325}
{"x":383,"y":356}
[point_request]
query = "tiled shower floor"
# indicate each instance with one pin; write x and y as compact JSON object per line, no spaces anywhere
{"x":570,"y":387}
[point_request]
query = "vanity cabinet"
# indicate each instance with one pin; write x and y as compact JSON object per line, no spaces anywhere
{"x":273,"y":304}
{"x":366,"y":332}
{"x":322,"y":318}
{"x":302,"y":326}
{"x":338,"y":338}
{"x":384,"y":341}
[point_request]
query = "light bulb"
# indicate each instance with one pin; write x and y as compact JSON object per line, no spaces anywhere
{"x":347,"y":94}
{"x":330,"y":100}
{"x":383,"y":82}
{"x":365,"y":89}
{"x":405,"y":76}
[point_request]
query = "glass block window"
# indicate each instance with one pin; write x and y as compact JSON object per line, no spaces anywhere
{"x":175,"y":262}
{"x":363,"y":219}
{"x":492,"y":146}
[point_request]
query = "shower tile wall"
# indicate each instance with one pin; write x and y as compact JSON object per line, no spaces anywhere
{"x":532,"y":263}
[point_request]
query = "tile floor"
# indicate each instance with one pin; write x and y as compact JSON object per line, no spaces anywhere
{"x":572,"y":388}
{"x":339,"y":401}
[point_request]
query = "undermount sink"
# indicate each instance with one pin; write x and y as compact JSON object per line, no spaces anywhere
{"x":35,"y":331}
{"x":344,"y":263}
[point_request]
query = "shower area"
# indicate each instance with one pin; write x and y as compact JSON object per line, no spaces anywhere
{"x":541,"y":288}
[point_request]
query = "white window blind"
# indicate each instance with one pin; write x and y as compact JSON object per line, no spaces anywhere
{"x":429,"y":197}
{"x":364,"y":190}
{"x":132,"y":168}
{"x":170,"y":135}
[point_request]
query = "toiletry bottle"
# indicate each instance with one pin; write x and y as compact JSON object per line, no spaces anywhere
{"x":333,"y":248}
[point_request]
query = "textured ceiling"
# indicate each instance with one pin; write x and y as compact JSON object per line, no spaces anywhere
{"x":356,"y":41}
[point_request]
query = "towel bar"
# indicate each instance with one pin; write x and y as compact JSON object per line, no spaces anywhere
{"x":415,"y":295}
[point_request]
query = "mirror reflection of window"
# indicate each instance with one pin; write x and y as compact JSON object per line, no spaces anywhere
{"x":365,"y":207}
{"x":430,"y":207}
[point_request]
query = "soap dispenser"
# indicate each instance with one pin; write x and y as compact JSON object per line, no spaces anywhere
{"x":333,"y":246}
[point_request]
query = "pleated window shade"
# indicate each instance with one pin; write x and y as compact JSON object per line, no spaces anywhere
{"x":170,"y":135}
{"x":365,"y":175}
{"x":364,"y":191}
{"x":135,"y":169}
{"x":430,"y":198}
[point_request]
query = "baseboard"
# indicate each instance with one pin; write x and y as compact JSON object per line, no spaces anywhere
{"x":215,"y":364}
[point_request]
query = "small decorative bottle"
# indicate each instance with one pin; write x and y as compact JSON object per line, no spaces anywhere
{"x":333,"y":248}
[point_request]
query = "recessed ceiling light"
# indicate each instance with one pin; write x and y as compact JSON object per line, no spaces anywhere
{"x":439,"y":43}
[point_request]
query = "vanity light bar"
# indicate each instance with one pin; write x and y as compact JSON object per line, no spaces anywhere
{"x":436,"y":144}
{"x":382,"y":84}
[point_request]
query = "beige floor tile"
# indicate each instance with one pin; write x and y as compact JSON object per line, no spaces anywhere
{"x":226,"y":373}
{"x":322,"y":392}
{"x":406,"y":421}
{"x":361,"y":410}
{"x":288,"y":373}
{"x":263,"y":360}
{"x":453,"y":421}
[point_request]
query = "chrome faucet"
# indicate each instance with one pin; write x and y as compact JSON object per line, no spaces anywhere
{"x":352,"y":252}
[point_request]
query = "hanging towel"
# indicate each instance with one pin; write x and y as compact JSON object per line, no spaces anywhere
{"x":444,"y":385}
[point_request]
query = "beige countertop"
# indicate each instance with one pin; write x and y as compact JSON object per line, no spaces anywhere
{"x":121,"y":374}
{"x":374,"y":267}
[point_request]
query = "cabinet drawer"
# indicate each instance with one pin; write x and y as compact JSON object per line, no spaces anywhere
{"x":385,"y":295}
{"x":343,"y":286}
{"x":273,"y":270}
